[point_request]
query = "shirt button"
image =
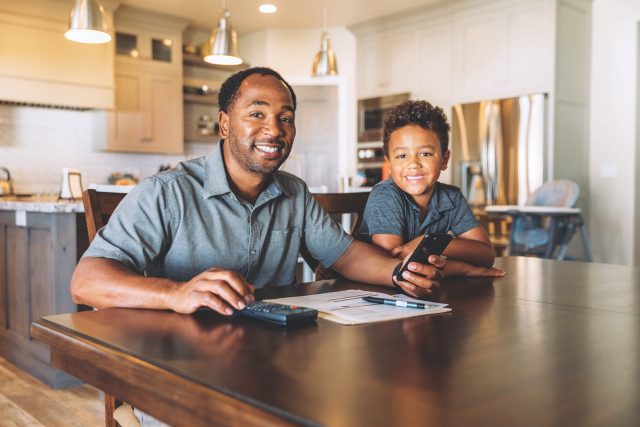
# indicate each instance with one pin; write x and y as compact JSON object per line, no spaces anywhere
{"x":253,"y":251}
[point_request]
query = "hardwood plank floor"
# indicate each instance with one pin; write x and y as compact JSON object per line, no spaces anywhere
{"x":25,"y":401}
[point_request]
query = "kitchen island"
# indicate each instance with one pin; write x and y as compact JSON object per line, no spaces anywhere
{"x":41,"y":240}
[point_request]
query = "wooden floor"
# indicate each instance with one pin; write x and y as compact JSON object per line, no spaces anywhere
{"x":25,"y":401}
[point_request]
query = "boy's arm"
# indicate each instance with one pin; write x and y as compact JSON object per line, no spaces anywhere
{"x":389,"y":242}
{"x":472,"y":247}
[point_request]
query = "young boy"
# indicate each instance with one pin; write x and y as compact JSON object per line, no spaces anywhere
{"x":412,"y":202}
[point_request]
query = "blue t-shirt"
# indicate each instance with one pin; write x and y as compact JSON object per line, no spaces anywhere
{"x":392,"y":211}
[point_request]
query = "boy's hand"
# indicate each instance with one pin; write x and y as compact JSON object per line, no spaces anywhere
{"x":484,"y":272}
{"x":459,"y":268}
{"x":402,"y":251}
{"x":422,"y":279}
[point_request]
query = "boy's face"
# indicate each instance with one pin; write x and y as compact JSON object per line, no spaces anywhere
{"x":416,"y":159}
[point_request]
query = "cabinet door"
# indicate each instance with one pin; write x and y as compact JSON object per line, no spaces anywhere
{"x":388,"y":65}
{"x":480,"y":44}
{"x":125,"y":125}
{"x":166,"y":118}
{"x":435,"y":56}
{"x":148,"y":118}
{"x":400,"y":62}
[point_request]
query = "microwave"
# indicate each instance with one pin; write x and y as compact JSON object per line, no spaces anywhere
{"x":371,"y":115}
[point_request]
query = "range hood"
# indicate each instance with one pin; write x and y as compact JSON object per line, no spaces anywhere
{"x":38,"y":66}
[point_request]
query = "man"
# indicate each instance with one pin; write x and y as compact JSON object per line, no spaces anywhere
{"x":210,"y":231}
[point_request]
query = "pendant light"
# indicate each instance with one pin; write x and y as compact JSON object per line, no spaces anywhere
{"x":223,"y":44}
{"x":324,"y":63}
{"x":87,"y":23}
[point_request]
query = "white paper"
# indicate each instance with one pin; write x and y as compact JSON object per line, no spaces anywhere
{"x":348,"y":307}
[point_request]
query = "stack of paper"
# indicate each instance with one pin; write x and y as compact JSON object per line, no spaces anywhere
{"x":348,"y":307}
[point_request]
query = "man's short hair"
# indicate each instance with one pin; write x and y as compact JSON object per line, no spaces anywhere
{"x":419,"y":113}
{"x":231,"y":87}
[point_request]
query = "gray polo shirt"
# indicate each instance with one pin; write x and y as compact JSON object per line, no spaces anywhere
{"x":392,"y":211}
{"x":179,"y":223}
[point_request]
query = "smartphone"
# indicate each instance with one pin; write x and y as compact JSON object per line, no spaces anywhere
{"x":431,"y":244}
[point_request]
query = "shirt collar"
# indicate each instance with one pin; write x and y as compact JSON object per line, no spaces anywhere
{"x":216,"y":182}
{"x":440,"y":202}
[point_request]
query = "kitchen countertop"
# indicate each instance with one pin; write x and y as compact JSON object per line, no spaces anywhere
{"x":40,"y":203}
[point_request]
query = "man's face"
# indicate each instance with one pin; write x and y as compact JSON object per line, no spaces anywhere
{"x":260,"y":124}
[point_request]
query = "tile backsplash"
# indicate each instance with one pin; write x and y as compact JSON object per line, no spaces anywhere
{"x":36,"y":143}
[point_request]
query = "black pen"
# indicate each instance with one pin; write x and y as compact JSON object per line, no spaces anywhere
{"x":395,"y":302}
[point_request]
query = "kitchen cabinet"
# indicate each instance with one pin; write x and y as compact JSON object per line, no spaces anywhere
{"x":38,"y":253}
{"x":148,"y":111}
{"x":460,"y":53}
{"x":387,"y":65}
{"x":148,"y":117}
{"x":502,"y":51}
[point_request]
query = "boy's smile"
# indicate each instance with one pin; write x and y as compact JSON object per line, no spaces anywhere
{"x":415,"y":161}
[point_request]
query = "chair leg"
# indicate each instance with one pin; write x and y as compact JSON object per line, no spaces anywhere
{"x":110,"y":405}
{"x":567,"y":234}
{"x":586,"y":245}
{"x":552,"y":238}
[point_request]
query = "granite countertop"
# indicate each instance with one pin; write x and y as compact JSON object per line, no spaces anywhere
{"x":45,"y":203}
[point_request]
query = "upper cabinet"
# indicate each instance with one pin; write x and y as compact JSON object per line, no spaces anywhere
{"x":386,"y":64}
{"x":38,"y":65}
{"x":460,"y":52}
{"x":148,"y":85}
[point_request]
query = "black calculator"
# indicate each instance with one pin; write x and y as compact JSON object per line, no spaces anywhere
{"x":279,"y":314}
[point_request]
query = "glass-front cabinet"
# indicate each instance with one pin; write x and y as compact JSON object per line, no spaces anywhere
{"x":148,"y":84}
{"x":144,"y":45}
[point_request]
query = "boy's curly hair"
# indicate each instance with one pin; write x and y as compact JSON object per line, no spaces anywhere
{"x":419,"y":113}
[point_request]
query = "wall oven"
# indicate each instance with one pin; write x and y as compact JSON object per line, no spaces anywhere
{"x":371,"y":115}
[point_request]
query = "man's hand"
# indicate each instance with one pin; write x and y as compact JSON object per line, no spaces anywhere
{"x":214,"y":288}
{"x":422,"y":279}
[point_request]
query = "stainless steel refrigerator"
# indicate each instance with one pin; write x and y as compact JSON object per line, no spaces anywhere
{"x":498,"y":149}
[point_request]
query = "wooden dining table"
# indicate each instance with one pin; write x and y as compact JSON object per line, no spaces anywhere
{"x":551,"y":343}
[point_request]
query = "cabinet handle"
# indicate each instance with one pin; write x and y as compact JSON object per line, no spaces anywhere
{"x":145,"y":140}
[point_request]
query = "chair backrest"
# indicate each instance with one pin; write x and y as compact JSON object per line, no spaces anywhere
{"x":559,"y":193}
{"x":344,"y":203}
{"x":98,"y":207}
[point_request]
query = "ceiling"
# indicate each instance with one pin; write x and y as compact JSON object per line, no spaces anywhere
{"x":246,"y":18}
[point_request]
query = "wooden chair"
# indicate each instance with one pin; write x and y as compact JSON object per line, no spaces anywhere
{"x":344,"y":203}
{"x":338,"y":204}
{"x":98,"y":207}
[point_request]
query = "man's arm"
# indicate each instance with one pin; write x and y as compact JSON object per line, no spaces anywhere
{"x":102,"y":282}
{"x":368,"y":263}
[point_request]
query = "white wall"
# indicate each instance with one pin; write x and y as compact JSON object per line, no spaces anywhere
{"x":613,"y":201}
{"x":36,"y":143}
{"x":291,"y":53}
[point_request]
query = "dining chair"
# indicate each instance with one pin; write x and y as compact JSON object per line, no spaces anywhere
{"x":98,"y":207}
{"x":350,"y":208}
